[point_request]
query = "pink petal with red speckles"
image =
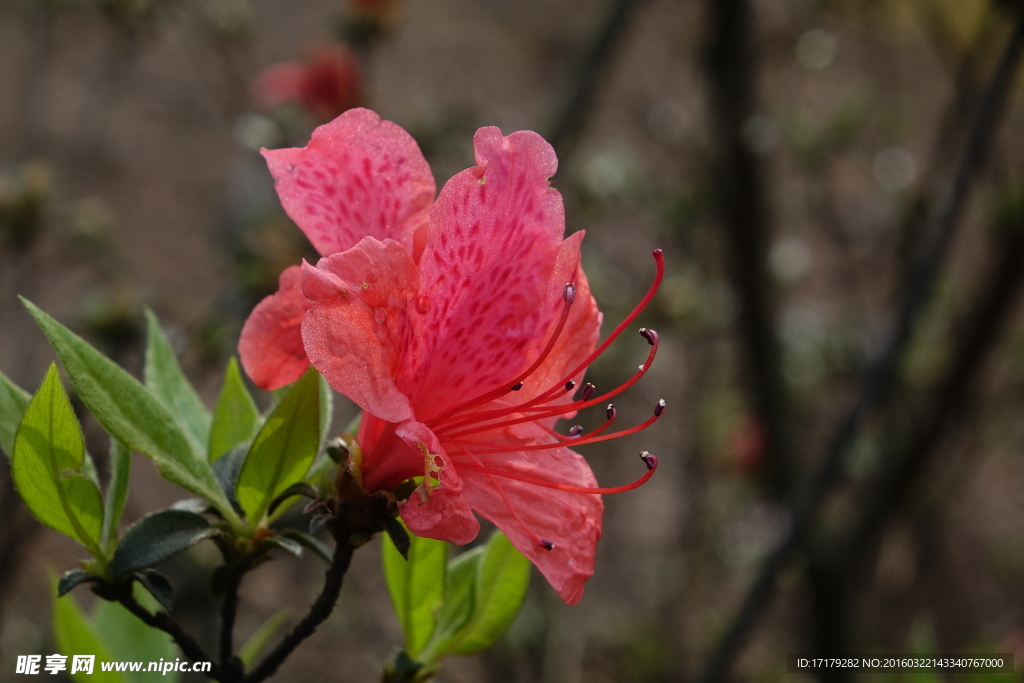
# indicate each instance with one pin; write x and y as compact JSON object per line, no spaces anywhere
{"x":357,"y":330}
{"x":489,"y":290}
{"x":570,"y":521}
{"x":437,"y":508}
{"x":271,"y":343}
{"x":359,"y":176}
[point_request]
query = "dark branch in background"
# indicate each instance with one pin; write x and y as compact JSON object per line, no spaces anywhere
{"x":567,"y":126}
{"x":981,"y":333}
{"x":318,"y":613}
{"x":741,"y":205}
{"x":920,"y":283}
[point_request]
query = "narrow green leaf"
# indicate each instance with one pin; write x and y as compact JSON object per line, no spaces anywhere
{"x":117,"y":491}
{"x":131,"y":413}
{"x":326,"y":410}
{"x":459,"y":604}
{"x":131,"y":640}
{"x":72,"y":578}
{"x":258,"y":640}
{"x":502,"y":579}
{"x":158,"y":536}
{"x":157,"y":585}
{"x":319,"y":548}
{"x":283,"y":450}
{"x":166,"y":380}
{"x":75,"y":634}
{"x":235,"y":418}
{"x":13,"y":401}
{"x":416,"y":586}
{"x":47,"y":467}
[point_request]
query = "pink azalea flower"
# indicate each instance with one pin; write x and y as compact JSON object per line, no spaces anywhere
{"x":462,"y":327}
{"x":328,"y":83}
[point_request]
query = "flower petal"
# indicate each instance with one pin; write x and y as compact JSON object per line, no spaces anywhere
{"x":527,"y":512}
{"x":358,"y":176}
{"x":271,"y":342}
{"x":358,"y":328}
{"x":437,"y":508}
{"x":489,"y":287}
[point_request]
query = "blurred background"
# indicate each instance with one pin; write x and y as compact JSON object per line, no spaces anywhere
{"x":838,"y":186}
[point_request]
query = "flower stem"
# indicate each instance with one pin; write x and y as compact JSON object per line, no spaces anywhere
{"x":318,"y":613}
{"x":163,"y":621}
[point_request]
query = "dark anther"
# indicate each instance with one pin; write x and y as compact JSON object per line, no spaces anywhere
{"x":650,"y":335}
{"x":576,"y":430}
{"x":610,"y":411}
{"x":517,"y":387}
{"x":569,"y":294}
{"x":547,"y":545}
{"x":659,"y":408}
{"x":588,"y":391}
{"x":570,"y":385}
{"x":650,"y":460}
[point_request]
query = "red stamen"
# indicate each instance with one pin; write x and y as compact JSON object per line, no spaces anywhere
{"x":568,"y":296}
{"x":484,"y":447}
{"x":650,"y":460}
{"x":537,"y":412}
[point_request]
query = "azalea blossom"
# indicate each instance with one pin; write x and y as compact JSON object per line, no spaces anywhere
{"x":462,"y":327}
{"x":328,"y":83}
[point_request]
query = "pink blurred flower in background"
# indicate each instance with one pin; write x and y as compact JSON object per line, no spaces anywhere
{"x":328,"y":83}
{"x":461,"y":327}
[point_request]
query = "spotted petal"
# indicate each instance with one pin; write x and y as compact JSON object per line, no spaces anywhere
{"x":357,"y":330}
{"x":271,"y":342}
{"x":489,"y":289}
{"x":358,"y":176}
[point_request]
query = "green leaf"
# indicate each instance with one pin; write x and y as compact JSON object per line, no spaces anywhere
{"x":502,"y":579}
{"x":75,"y":634}
{"x":158,"y":536}
{"x":13,"y":401}
{"x":458,"y":606}
{"x":117,"y":491}
{"x":235,"y":418}
{"x":166,"y":380}
{"x":47,"y":467}
{"x":132,"y":414}
{"x":416,"y":586}
{"x":131,"y":640}
{"x":158,"y":587}
{"x":258,"y":640}
{"x":283,"y":450}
